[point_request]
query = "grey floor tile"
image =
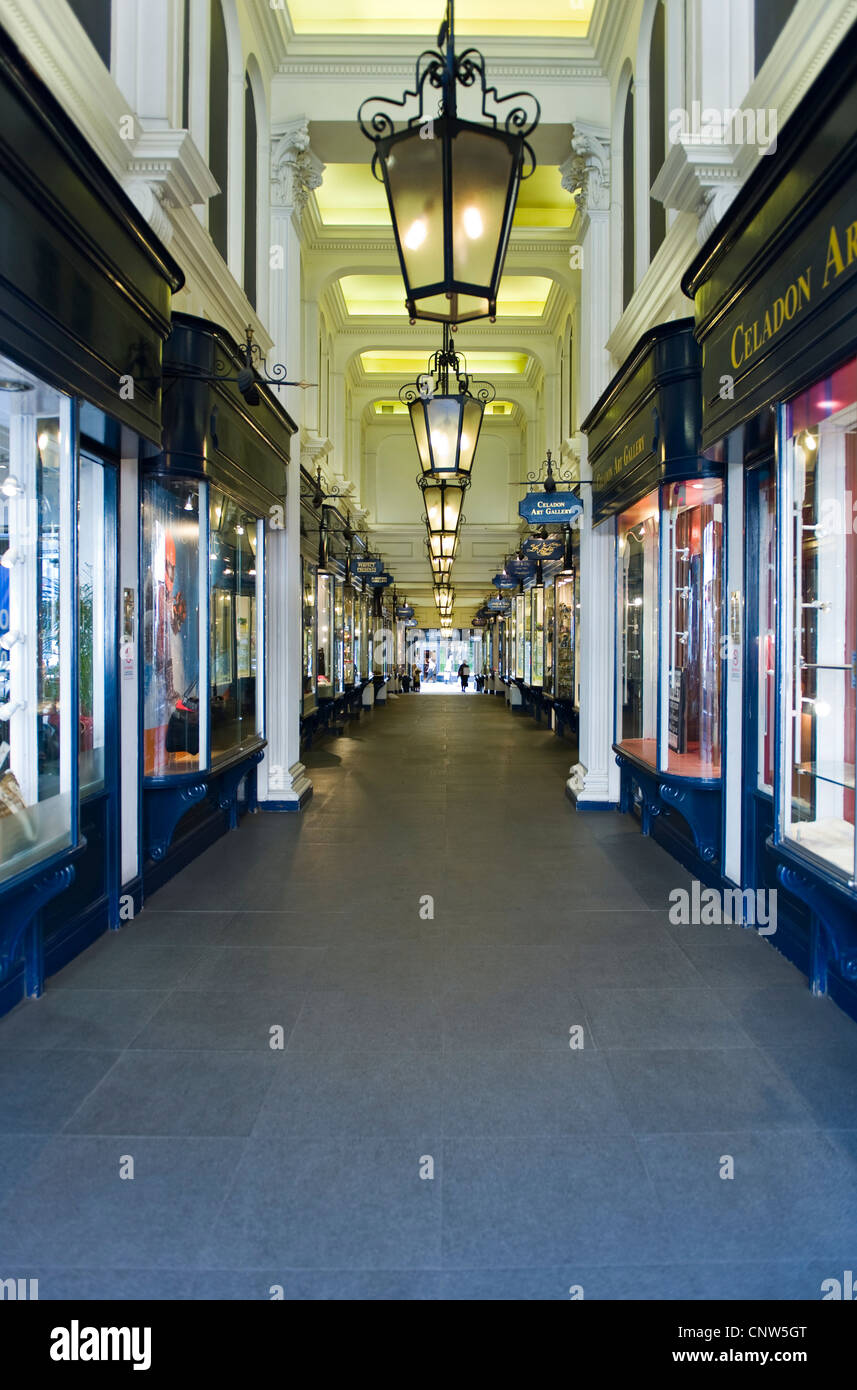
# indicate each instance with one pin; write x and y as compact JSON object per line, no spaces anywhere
{"x":705,"y":1089}
{"x":660,"y":1018}
{"x":113,"y":1285}
{"x":733,"y":956}
{"x":173,"y":1093}
{"x":278,"y":929}
{"x":79,"y":1019}
{"x":534,"y":1202}
{"x":261,"y":969}
{"x":521,"y":1018}
{"x":788,"y":1016}
{"x":91,"y":1218}
{"x":222,"y":1020}
{"x":40,"y":1090}
{"x":162,"y":928}
{"x":327,"y":1285}
{"x":824,"y":1078}
{"x":625,"y":966}
{"x":793,"y":1195}
{"x":125,"y":962}
{"x":354,"y":1093}
{"x":539,"y":1093}
{"x":331,"y":1204}
{"x":413,"y":967}
{"x":337,"y":1019}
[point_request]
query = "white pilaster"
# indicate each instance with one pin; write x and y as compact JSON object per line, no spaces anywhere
{"x":595,"y":778}
{"x":294,"y":171}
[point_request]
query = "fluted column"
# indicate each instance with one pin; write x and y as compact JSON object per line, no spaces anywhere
{"x":295,"y":171}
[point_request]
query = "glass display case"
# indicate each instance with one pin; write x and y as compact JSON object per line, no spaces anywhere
{"x":174,"y":603}
{"x":527,"y":629}
{"x":537,"y":635}
{"x":92,"y":560}
{"x":364,"y":664}
{"x":234,"y":539}
{"x":694,"y":576}
{"x":550,"y":637}
{"x":324,"y":636}
{"x":37,"y":622}
{"x":338,"y":637}
{"x":310,"y":635}
{"x":350,"y":635}
{"x":677,"y":610}
{"x":638,"y":601}
{"x":520,"y":648}
{"x":818,"y":656}
{"x":565,"y":633}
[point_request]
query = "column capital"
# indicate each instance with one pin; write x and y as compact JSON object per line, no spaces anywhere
{"x":586,"y":172}
{"x":295,"y":170}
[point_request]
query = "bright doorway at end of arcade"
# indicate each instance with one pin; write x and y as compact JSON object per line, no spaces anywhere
{"x":449,"y":662}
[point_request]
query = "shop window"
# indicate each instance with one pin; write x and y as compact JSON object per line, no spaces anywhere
{"x":550,"y":635}
{"x":537,"y":628}
{"x":324,"y":653}
{"x":527,"y":634}
{"x":769,"y":20}
{"x":695,"y":563}
{"x":174,"y":724}
{"x":766,"y":654}
{"x":819,"y":663}
{"x":565,"y":637}
{"x":338,"y":636}
{"x":520,"y":666}
{"x":91,"y":625}
{"x":36,"y":620}
{"x":234,"y":542}
{"x":309,"y":634}
{"x":637,"y":629}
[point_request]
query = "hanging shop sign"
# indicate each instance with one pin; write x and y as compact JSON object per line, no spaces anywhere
{"x":544,"y":548}
{"x":520,"y":569}
{"x":380,"y":581}
{"x":498,"y":605}
{"x":364,"y":568}
{"x":504,"y":581}
{"x":404,"y":610}
{"x":543,"y":508}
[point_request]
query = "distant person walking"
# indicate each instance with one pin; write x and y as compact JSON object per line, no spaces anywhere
{"x":464,"y":675}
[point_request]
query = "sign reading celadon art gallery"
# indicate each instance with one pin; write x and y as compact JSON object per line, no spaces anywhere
{"x":544,"y":508}
{"x":363,"y":568}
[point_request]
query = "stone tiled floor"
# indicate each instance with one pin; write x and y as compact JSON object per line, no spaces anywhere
{"x":410,"y":1038}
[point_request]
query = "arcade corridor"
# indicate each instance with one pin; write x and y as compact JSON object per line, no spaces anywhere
{"x":412,"y":1041}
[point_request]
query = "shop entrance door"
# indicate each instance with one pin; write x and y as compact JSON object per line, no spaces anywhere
{"x":91,"y":903}
{"x":760,"y":666}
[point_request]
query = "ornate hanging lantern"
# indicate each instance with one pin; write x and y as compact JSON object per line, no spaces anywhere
{"x":446,"y":422}
{"x":451,"y":183}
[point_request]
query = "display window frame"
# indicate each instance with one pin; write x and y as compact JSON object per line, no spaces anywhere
{"x":813,"y":490}
{"x":662,"y":715}
{"x":27,"y":624}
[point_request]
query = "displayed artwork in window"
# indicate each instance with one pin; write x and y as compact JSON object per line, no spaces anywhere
{"x":309,"y":634}
{"x":171,"y":627}
{"x":537,"y":630}
{"x":520,"y":656}
{"x":565,"y":626}
{"x":819,"y":666}
{"x":637,"y":628}
{"x":339,"y":636}
{"x":324,"y":652}
{"x":767,"y":624}
{"x":91,"y":620}
{"x":550,"y":635}
{"x":36,"y":620}
{"x":234,"y":542}
{"x":350,"y":637}
{"x":694,"y":559}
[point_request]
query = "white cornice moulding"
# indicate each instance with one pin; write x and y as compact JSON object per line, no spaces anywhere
{"x":211,"y":291}
{"x":170,"y":159}
{"x":691,"y":173}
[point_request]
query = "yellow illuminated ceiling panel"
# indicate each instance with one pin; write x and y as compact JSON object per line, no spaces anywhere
{"x":541,"y":19}
{"x":520,"y":296}
{"x":398,"y":361}
{"x":351,"y":196}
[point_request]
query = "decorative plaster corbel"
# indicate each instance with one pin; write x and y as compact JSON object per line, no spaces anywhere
{"x":586,"y":172}
{"x":295,"y":170}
